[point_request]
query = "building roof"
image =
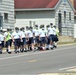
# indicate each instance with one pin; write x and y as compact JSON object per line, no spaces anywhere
{"x":74,"y":5}
{"x":31,"y":4}
{"x":75,"y":13}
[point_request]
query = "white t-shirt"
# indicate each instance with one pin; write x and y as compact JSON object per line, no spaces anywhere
{"x":1,"y":37}
{"x":50,"y":31}
{"x":21,"y":33}
{"x":54,"y":31}
{"x":36,"y":32}
{"x":16,"y":35}
{"x":29,"y":33}
{"x":46,"y":32}
{"x":42,"y":33}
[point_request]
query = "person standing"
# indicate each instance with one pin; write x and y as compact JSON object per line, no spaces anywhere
{"x":7,"y":37}
{"x":16,"y":39}
{"x":1,"y":41}
{"x":42,"y":36}
{"x":31,"y":38}
{"x":36,"y":37}
{"x":50,"y":36}
{"x":22,"y":40}
{"x":57,"y":39}
{"x":26,"y":32}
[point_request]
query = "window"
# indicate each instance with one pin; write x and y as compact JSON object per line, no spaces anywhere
{"x":5,"y":16}
{"x":15,"y":16}
{"x":0,"y":1}
{"x":64,"y":16}
{"x":30,"y":22}
{"x":1,"y":21}
{"x":60,"y":23}
{"x":64,"y":0}
{"x":69,"y":15}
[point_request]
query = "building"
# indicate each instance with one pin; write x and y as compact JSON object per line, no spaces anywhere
{"x":7,"y":14}
{"x":44,"y":12}
{"x":74,"y":5}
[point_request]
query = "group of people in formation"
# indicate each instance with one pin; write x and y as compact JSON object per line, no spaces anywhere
{"x":29,"y":39}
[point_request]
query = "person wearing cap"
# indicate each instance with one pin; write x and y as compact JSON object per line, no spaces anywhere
{"x":50,"y":36}
{"x":11,"y":37}
{"x":1,"y":41}
{"x":27,"y":38}
{"x":22,"y":39}
{"x":7,"y":37}
{"x":42,"y":39}
{"x":56,"y":36}
{"x":36,"y":37}
{"x":16,"y":39}
{"x":31,"y":38}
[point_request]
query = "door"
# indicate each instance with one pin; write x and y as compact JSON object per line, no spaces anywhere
{"x":60,"y":23}
{"x":1,"y":21}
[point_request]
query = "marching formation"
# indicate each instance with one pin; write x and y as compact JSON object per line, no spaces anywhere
{"x":29,"y":39}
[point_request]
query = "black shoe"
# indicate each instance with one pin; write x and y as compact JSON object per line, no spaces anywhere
{"x":16,"y":51}
{"x":35,"y":49}
{"x":54,"y":46}
{"x":9,"y":52}
{"x":21,"y":50}
{"x":47,"y":48}
{"x":25,"y":50}
{"x":0,"y":52}
{"x":51,"y":48}
{"x":38,"y":48}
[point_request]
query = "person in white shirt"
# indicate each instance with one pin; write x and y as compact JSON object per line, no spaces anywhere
{"x":47,"y":38}
{"x":16,"y":39}
{"x":42,"y":37}
{"x":1,"y":41}
{"x":23,"y":40}
{"x":36,"y":37}
{"x":55,"y":37}
{"x":31,"y":38}
{"x":27,"y":39}
{"x":50,"y":36}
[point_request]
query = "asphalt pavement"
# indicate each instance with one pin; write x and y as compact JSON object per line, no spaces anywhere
{"x":59,"y":60}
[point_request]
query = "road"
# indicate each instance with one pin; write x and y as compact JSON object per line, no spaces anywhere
{"x":58,"y":60}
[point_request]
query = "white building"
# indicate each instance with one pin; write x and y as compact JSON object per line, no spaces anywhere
{"x":7,"y":14}
{"x":44,"y":12}
{"x":74,"y":4}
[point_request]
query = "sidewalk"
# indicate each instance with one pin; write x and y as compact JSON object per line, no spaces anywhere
{"x":58,"y":74}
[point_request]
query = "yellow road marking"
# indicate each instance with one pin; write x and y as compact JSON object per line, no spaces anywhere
{"x":30,"y":61}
